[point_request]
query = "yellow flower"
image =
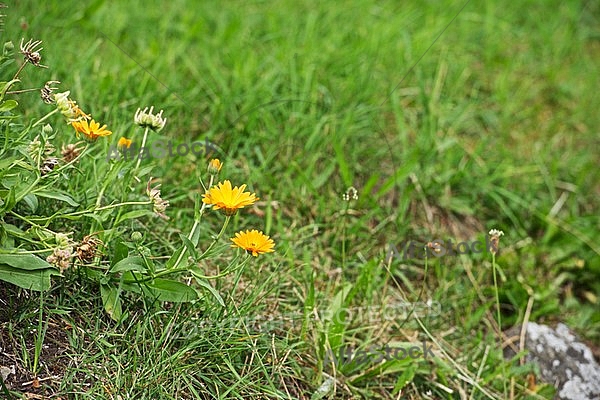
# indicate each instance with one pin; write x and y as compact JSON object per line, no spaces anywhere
{"x":124,"y":142}
{"x":253,"y":242}
{"x":91,"y":131}
{"x":228,"y":199}
{"x":214,"y":166}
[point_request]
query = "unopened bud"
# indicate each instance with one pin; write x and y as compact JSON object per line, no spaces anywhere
{"x":136,"y":236}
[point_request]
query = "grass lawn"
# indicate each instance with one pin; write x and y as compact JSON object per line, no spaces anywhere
{"x":363,"y":127}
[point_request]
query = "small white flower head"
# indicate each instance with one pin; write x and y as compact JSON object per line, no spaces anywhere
{"x":496,"y":232}
{"x":495,"y":240}
{"x":147,"y":119}
{"x":351,"y":194}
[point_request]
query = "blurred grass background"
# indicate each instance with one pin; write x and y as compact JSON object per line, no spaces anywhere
{"x":493,"y":125}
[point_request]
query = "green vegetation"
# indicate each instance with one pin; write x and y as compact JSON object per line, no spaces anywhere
{"x":447,"y":128}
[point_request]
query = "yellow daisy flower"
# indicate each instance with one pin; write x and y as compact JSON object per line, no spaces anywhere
{"x":254,"y":242}
{"x":124,"y":142}
{"x":224,"y":197}
{"x":91,"y":131}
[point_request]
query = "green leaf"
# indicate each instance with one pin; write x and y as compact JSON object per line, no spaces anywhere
{"x":24,"y":261}
{"x":190,"y":246}
{"x":31,"y":201}
{"x":337,"y":312}
{"x":171,"y":261}
{"x":121,"y":252}
{"x":135,"y":214}
{"x":9,"y":202}
{"x":169,"y":290}
{"x":8,"y":105}
{"x":211,"y":289}
{"x":56,"y":195}
{"x":134,"y":263}
{"x":28,"y":279}
{"x":111,"y":301}
{"x":406,"y":378}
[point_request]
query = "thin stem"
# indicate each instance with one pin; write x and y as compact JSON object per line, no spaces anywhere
{"x":197,"y":220}
{"x":19,"y":71}
{"x":227,"y":218}
{"x":139,"y":159}
{"x":499,"y":317}
{"x":23,"y":91}
{"x":45,"y":117}
{"x":238,"y":275}
{"x":344,"y":235}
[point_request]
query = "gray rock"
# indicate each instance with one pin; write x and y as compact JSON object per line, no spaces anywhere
{"x":563,"y":361}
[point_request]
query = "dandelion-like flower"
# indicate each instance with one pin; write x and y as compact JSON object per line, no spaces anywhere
{"x":47,"y":92}
{"x":69,"y":108}
{"x":495,"y":240}
{"x":254,"y":242}
{"x":91,"y":131}
{"x":124,"y":143}
{"x":229,"y":200}
{"x":214,"y":166}
{"x":147,"y":119}
{"x":159,"y":204}
{"x":31,"y":52}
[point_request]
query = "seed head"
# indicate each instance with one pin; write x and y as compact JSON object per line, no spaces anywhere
{"x":46,"y":92}
{"x":70,"y":152}
{"x":159,"y":204}
{"x":147,"y":119}
{"x":31,"y":52}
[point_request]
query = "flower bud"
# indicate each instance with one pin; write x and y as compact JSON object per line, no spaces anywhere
{"x":47,"y":130}
{"x":136,"y":236}
{"x":214,"y":166}
{"x":8,"y":48}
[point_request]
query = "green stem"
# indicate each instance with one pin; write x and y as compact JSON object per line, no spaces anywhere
{"x":197,"y":219}
{"x":227,"y":218}
{"x":45,"y":117}
{"x":19,"y":71}
{"x":499,"y":317}
{"x":139,"y":159}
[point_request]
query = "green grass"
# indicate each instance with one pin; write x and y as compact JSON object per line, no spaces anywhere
{"x":493,"y":126}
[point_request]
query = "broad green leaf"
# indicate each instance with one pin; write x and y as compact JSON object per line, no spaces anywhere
{"x":31,"y":201}
{"x":121,"y":252}
{"x":169,"y":290}
{"x":134,"y":263}
{"x":24,"y":261}
{"x":28,"y":279}
{"x":56,"y":195}
{"x":209,"y":287}
{"x":8,"y":105}
{"x":111,"y":301}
